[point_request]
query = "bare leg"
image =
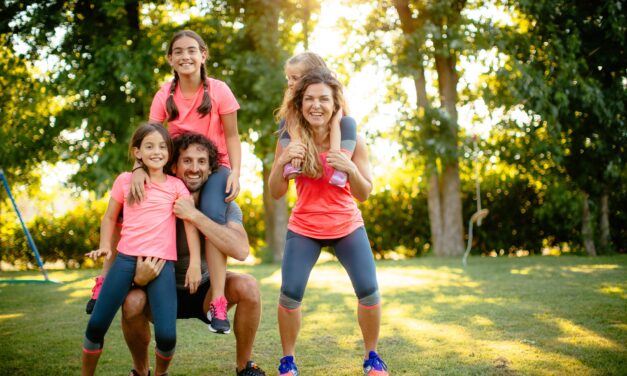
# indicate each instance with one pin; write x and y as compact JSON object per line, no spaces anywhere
{"x":136,"y":328}
{"x":216,"y":263}
{"x":369,"y":321}
{"x":162,"y":365}
{"x":243,"y":290}
{"x":90,"y":361}
{"x":289,"y":326}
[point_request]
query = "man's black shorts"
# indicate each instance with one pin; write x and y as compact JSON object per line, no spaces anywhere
{"x":190,"y":305}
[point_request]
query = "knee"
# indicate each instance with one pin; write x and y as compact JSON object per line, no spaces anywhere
{"x":134,"y":304}
{"x":370,"y":300}
{"x":166,"y":342}
{"x":243,"y":288}
{"x":287,"y":303}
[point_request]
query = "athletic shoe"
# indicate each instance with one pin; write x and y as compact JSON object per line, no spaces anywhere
{"x":217,"y":316}
{"x":290,"y":172}
{"x":135,"y":373}
{"x":288,"y":367}
{"x":338,"y":178}
{"x":251,"y":370}
{"x":95,"y":291}
{"x":375,"y":366}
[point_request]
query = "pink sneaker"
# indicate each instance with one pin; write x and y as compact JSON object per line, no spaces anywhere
{"x":217,"y":315}
{"x":338,"y":178}
{"x":95,"y":291}
{"x":290,"y":172}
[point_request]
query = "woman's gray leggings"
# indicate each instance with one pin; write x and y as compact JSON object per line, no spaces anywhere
{"x":354,"y":253}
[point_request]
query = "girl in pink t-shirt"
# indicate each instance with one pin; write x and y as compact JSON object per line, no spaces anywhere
{"x":194,"y":102}
{"x":149,"y":230}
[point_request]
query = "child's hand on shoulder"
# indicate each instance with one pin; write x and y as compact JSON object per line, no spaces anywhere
{"x":192,"y":278}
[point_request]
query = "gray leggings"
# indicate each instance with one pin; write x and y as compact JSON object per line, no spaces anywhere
{"x":354,"y":253}
{"x":348,"y":129}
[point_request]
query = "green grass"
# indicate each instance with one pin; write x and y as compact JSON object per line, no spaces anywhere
{"x":501,"y":316}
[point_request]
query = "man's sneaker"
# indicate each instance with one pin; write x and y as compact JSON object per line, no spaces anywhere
{"x":135,"y":373}
{"x":287,"y":366}
{"x":251,"y":370}
{"x":338,"y":178}
{"x":375,"y":366}
{"x":95,"y":291}
{"x":290,"y":172}
{"x":217,"y":316}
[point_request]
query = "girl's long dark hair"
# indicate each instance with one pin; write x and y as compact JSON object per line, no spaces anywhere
{"x":205,"y":105}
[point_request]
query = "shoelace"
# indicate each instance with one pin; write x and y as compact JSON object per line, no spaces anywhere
{"x":95,"y":291}
{"x":285,"y":365}
{"x":219,"y":309}
{"x":377,"y":363}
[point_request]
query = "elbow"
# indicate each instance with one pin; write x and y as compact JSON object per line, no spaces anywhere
{"x":241,"y":253}
{"x":362,"y":197}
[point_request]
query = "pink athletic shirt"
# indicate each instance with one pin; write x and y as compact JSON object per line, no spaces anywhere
{"x":223,"y":102}
{"x":324,"y":211}
{"x":149,"y":228}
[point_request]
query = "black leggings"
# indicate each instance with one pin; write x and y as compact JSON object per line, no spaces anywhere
{"x":354,"y":253}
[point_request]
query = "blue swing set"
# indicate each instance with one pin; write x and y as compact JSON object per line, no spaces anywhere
{"x":28,"y":237}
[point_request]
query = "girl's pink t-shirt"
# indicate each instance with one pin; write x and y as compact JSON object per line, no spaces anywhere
{"x":223,"y":102}
{"x":322,"y":210}
{"x":149,"y":228}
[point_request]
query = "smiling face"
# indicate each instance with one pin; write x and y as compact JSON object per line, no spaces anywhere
{"x":186,"y":56}
{"x":192,"y":167}
{"x":318,"y":105}
{"x":153,"y":151}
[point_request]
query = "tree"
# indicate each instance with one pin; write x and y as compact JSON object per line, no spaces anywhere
{"x":104,"y":85}
{"x":427,"y":37}
{"x":567,"y":65}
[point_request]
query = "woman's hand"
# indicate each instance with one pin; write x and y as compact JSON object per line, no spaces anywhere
{"x":193,"y":278}
{"x":232,"y":186}
{"x":295,"y":150}
{"x":99,"y":252}
{"x":139,"y":178}
{"x":341,"y":162}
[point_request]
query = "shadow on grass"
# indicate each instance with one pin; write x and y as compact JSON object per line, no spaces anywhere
{"x":529,"y":316}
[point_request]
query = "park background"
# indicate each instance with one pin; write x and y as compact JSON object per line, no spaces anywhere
{"x":525,"y":98}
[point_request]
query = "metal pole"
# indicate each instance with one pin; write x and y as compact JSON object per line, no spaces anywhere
{"x":28,"y":237}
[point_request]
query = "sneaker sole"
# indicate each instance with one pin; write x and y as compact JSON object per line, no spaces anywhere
{"x":212,"y":330}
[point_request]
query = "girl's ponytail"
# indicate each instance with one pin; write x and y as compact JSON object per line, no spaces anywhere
{"x":205,"y":105}
{"x":170,"y":105}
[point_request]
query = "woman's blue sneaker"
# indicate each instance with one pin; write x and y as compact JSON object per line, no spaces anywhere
{"x":375,"y":366}
{"x":287,"y":366}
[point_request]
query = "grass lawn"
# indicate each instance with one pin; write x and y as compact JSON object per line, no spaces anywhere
{"x":500,"y":316}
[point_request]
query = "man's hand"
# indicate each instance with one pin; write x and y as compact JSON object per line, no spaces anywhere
{"x":184,"y":208}
{"x":99,"y":252}
{"x":192,"y":278}
{"x":147,"y":269}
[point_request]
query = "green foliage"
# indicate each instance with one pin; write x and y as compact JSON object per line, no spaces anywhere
{"x":396,"y":217}
{"x":252,"y":210}
{"x":65,"y":238}
{"x":567,"y":64}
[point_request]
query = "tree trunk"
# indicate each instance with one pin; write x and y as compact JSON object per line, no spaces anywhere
{"x":435,"y":213}
{"x":604,"y":222}
{"x":444,"y":196}
{"x":453,"y":227}
{"x":275,"y":218}
{"x":586,"y":227}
